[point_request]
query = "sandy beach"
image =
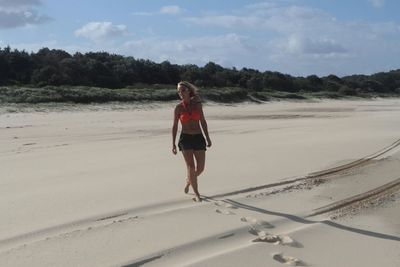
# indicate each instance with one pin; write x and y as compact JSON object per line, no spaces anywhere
{"x":286,"y":183}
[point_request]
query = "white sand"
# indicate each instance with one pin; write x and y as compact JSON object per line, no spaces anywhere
{"x":102,"y":188}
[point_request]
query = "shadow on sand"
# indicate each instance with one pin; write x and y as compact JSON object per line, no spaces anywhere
{"x":307,"y":221}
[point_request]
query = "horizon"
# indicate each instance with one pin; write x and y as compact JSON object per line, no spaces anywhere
{"x":295,"y":37}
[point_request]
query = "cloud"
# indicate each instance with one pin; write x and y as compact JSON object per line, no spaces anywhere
{"x":19,"y":13}
{"x":377,"y":3}
{"x":262,"y":5}
{"x":199,"y":50}
{"x":297,"y":30}
{"x":19,"y":3}
{"x":385,"y":28}
{"x":303,"y":40}
{"x":165,"y":10}
{"x":303,"y":45}
{"x":226,"y":21}
{"x":284,"y":20}
{"x":99,"y":31}
{"x":20,"y":19}
{"x":171,"y":10}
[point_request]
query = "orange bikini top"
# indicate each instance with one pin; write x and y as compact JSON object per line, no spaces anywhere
{"x":187,"y":116}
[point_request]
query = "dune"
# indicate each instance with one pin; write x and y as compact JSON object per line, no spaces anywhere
{"x":286,"y":183}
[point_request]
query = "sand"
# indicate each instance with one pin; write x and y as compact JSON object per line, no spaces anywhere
{"x":99,"y":186}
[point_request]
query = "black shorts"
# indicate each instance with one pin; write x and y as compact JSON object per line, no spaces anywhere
{"x":192,"y":141}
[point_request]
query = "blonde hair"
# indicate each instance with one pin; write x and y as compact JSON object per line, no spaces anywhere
{"x":192,"y":90}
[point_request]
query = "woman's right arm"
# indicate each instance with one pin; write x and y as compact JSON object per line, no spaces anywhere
{"x":175,"y":129}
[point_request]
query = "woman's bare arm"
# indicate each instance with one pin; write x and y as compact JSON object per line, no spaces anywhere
{"x":203,"y":123}
{"x":175,"y":129}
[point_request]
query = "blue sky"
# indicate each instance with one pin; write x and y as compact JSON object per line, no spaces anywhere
{"x":298,"y":37}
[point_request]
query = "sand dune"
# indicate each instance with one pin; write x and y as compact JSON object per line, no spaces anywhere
{"x":286,"y":183}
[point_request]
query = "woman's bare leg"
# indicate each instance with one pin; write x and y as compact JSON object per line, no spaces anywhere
{"x":200,"y":156}
{"x":186,"y":190}
{"x":191,"y":169}
{"x":188,"y":163}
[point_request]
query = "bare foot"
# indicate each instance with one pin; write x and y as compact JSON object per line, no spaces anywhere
{"x":197,"y":199}
{"x":186,"y":190}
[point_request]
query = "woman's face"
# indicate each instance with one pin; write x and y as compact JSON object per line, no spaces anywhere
{"x":183,"y":92}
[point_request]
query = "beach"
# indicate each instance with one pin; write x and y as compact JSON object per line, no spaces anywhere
{"x":303,"y":183}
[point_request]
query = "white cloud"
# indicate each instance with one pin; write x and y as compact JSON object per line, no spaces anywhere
{"x":262,"y":5}
{"x":19,"y":3}
{"x":19,"y":13}
{"x":227,"y":21}
{"x":377,"y":3}
{"x":385,"y":28}
{"x":284,"y":20}
{"x":303,"y":45}
{"x":99,"y":31}
{"x":20,"y":19}
{"x":297,"y":30}
{"x":171,"y":10}
{"x":165,"y":10}
{"x":304,"y":40}
{"x":199,"y":50}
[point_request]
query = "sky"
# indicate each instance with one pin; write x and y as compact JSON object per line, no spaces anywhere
{"x":296,"y":37}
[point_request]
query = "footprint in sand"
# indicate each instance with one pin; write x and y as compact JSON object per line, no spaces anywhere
{"x":230,"y":206}
{"x":288,"y":241}
{"x":224,"y":204}
{"x":225,"y":212}
{"x":265,"y":237}
{"x":283,"y":240}
{"x":256,"y":222}
{"x":289,"y":260}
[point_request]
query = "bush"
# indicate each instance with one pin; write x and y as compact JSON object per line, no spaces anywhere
{"x":345,"y":90}
{"x":224,"y":94}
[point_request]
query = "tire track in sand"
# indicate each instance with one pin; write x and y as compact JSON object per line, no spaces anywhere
{"x":319,"y":174}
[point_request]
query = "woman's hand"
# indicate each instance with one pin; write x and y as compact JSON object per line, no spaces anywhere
{"x":209,"y":143}
{"x":174,"y":149}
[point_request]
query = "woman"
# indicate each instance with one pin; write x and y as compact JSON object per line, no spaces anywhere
{"x":191,"y":141}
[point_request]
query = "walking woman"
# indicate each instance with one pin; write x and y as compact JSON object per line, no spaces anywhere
{"x":191,"y":141}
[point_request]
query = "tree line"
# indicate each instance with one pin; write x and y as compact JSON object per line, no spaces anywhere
{"x":54,"y":67}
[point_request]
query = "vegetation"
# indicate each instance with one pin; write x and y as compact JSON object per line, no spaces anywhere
{"x":56,"y":76}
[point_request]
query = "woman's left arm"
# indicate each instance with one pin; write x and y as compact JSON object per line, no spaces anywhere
{"x":203,"y":123}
